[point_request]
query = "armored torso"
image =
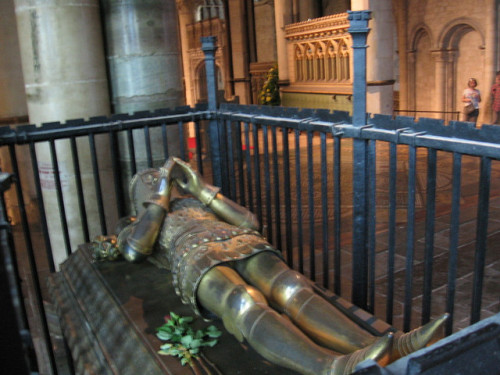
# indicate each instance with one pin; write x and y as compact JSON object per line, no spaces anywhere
{"x":193,"y":240}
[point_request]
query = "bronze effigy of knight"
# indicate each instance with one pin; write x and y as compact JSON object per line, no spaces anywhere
{"x":224,"y":268}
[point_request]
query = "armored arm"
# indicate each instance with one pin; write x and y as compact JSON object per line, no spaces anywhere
{"x":228,"y":210}
{"x":136,"y":241}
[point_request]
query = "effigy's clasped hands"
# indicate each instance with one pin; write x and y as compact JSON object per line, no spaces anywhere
{"x":190,"y":181}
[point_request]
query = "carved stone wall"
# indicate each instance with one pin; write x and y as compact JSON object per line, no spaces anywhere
{"x":319,"y":53}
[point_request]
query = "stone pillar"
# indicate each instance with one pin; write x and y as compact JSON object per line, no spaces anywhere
{"x":62,"y":58}
{"x":13,"y":107}
{"x":380,"y":58}
{"x":440,"y":60}
{"x":401,"y":14}
{"x":410,"y":90}
{"x":144,"y":54}
{"x":239,"y":40}
{"x":185,"y":18}
{"x":491,"y":63}
{"x":145,"y":68}
{"x":282,"y":16}
{"x":65,"y":78}
{"x":12,"y":96}
{"x":360,"y":5}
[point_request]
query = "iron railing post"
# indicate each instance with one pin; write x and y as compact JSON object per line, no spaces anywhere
{"x":208,"y":47}
{"x":14,"y":324}
{"x":359,"y":32}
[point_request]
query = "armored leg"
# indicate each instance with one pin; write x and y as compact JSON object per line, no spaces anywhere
{"x":246,"y":315}
{"x":290,"y":293}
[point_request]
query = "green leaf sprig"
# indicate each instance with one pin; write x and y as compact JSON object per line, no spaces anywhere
{"x":183,"y":341}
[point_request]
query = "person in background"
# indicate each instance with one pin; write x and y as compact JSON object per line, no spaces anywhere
{"x":495,"y":104}
{"x":471,"y":96}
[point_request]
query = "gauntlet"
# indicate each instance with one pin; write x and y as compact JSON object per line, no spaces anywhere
{"x":190,"y":181}
{"x":136,"y":241}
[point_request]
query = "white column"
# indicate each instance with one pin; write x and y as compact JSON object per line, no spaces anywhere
{"x":282,"y":16}
{"x":65,"y":78}
{"x":380,"y":58}
{"x":401,"y":15}
{"x":240,"y":52}
{"x":144,"y":54}
{"x":491,"y":63}
{"x":185,"y":18}
{"x":360,"y":4}
{"x":411,"y":89}
{"x":145,"y":70}
{"x":12,"y":96}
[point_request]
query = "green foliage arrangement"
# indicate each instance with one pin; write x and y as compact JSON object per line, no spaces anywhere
{"x":183,"y":341}
{"x":270,"y":94}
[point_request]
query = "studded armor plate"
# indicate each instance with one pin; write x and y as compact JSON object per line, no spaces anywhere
{"x":193,"y":240}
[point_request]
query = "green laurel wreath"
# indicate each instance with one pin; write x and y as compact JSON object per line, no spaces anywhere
{"x":183,"y":341}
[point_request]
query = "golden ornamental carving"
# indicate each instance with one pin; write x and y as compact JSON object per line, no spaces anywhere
{"x":318,"y":27}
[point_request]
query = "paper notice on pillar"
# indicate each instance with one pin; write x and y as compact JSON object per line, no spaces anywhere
{"x":48,"y":177}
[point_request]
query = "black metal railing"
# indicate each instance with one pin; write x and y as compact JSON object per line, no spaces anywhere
{"x":14,"y":317}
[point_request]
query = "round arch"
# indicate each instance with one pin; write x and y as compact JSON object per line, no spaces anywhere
{"x":420,"y":31}
{"x":422,"y":79}
{"x":455,"y":30}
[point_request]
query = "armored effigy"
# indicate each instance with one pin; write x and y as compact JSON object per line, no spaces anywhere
{"x":223,"y":267}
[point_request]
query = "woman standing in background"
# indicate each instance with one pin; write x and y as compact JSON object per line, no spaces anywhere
{"x":471,"y":98}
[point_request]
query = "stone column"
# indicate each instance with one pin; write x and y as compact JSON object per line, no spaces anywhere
{"x":65,"y":78}
{"x":12,"y":96}
{"x":440,"y":60}
{"x":145,"y":68}
{"x":13,"y":107}
{"x":239,"y":40}
{"x":401,"y":15}
{"x":283,"y":16}
{"x":185,"y":18}
{"x":491,"y":63}
{"x":410,"y":90}
{"x":380,"y":58}
{"x":144,"y":55}
{"x":360,"y":5}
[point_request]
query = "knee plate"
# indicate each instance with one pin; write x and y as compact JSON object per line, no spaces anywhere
{"x":241,"y":305}
{"x":289,"y":291}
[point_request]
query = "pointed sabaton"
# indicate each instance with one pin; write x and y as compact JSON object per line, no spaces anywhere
{"x":418,"y":338}
{"x":379,"y":351}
